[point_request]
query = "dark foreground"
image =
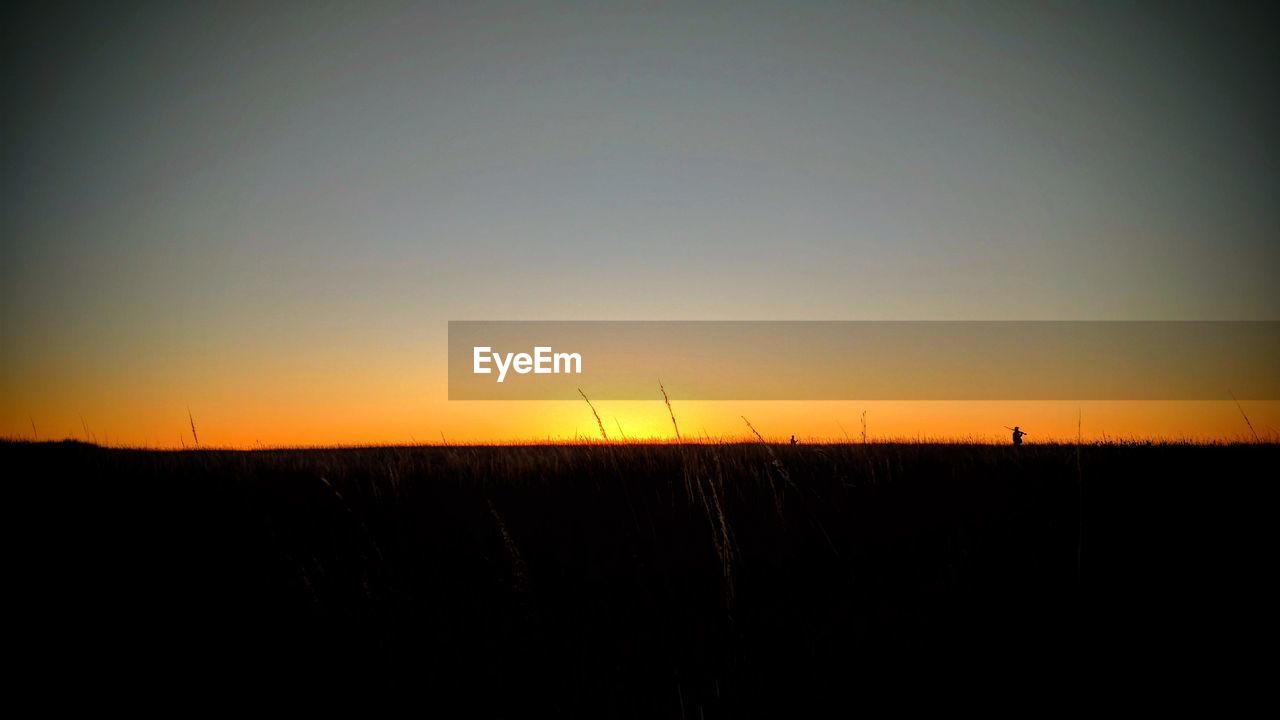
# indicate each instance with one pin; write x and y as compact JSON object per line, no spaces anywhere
{"x":644,"y":580}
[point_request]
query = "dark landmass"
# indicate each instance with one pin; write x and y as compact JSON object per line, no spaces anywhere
{"x":646,"y":580}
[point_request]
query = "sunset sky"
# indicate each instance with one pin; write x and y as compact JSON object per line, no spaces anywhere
{"x":268,"y":213}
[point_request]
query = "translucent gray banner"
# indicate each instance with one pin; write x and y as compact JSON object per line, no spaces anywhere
{"x":864,"y":360}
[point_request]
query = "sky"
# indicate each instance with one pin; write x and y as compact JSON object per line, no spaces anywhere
{"x":266,"y":214}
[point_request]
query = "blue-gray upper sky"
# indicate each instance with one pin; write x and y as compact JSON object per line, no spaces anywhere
{"x":186,"y":177}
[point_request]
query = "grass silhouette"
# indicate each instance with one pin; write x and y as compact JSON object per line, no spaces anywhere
{"x":636,"y":579}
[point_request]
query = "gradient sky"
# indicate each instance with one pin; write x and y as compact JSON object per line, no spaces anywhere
{"x":268,"y":212}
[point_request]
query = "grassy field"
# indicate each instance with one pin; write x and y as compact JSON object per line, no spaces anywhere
{"x":639,"y":580}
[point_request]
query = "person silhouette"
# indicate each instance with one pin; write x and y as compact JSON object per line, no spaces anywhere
{"x":793,"y":439}
{"x":1017,"y":436}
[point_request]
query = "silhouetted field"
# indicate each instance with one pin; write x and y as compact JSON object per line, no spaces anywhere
{"x":641,"y":580}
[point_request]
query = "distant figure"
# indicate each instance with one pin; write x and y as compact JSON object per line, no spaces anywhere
{"x":1017,"y":436}
{"x":793,"y":439}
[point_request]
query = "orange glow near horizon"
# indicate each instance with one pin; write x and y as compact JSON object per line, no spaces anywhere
{"x":273,"y":395}
{"x":262,"y":417}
